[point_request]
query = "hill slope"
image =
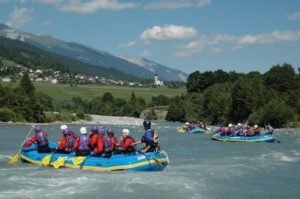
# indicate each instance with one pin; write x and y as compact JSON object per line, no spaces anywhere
{"x":94,"y":57}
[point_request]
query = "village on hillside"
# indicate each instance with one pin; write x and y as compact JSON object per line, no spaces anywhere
{"x":14,"y":73}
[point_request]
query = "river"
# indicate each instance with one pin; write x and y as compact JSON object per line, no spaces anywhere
{"x":199,"y":168}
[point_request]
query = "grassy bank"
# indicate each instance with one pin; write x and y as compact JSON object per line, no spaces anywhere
{"x":62,"y":92}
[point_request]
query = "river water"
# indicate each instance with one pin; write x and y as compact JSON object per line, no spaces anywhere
{"x":199,"y":168}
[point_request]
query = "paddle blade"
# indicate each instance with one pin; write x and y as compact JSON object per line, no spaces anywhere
{"x":14,"y":159}
{"x":46,"y":160}
{"x":59,"y":162}
{"x":78,"y":160}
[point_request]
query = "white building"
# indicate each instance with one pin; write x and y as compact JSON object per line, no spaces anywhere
{"x":54,"y":81}
{"x":157,"y":82}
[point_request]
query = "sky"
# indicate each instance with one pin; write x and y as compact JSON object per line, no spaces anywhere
{"x":189,"y":35}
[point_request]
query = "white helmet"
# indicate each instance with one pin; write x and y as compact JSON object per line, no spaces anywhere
{"x":239,"y":124}
{"x":229,"y":125}
{"x":63,"y":127}
{"x":255,"y":126}
{"x":187,"y":123}
{"x":125,"y":131}
{"x":83,"y":130}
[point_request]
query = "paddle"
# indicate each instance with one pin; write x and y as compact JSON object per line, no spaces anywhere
{"x":59,"y":162}
{"x":82,"y":163}
{"x":78,"y":160}
{"x":15,"y":158}
{"x":47,"y":159}
{"x":155,"y":160}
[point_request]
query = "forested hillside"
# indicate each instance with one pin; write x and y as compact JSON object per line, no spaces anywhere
{"x":228,"y":97}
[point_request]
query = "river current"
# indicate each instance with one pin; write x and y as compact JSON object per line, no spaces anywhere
{"x":199,"y":168}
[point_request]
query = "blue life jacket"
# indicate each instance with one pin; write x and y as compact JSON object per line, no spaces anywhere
{"x":240,"y":131}
{"x":70,"y":141}
{"x":107,"y":143}
{"x":83,"y":143}
{"x":150,"y":137}
{"x":42,"y":139}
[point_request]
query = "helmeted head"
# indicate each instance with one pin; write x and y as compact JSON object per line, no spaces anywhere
{"x":101,"y":131}
{"x":94,"y":129}
{"x":255,"y":126}
{"x":187,"y":123}
{"x":63,"y":127}
{"x":110,"y":132}
{"x":147,"y":124}
{"x":125,"y":132}
{"x":83,"y":130}
{"x":239,"y":124}
{"x":229,"y":125}
{"x":65,"y":131}
{"x":37,"y":128}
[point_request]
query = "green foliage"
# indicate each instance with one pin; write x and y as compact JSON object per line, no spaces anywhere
{"x":27,"y":85}
{"x":280,"y":78}
{"x":160,"y":100}
{"x":176,"y":110}
{"x":7,"y":115}
{"x":217,"y":103}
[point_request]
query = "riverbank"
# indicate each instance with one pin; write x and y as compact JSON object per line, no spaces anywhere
{"x":96,"y":119}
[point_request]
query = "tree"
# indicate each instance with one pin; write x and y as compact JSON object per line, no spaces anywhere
{"x":27,"y":85}
{"x":280,"y":78}
{"x":176,"y":110}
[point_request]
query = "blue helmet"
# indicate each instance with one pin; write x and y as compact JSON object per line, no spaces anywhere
{"x":110,"y":132}
{"x":65,"y":131}
{"x":94,"y":129}
{"x":147,"y":124}
{"x":101,"y":131}
{"x":38,"y":128}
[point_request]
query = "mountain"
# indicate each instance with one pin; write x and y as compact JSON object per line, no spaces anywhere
{"x":95,"y":57}
{"x":36,"y":58}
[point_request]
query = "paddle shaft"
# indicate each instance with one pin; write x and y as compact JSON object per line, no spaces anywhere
{"x":25,"y":140}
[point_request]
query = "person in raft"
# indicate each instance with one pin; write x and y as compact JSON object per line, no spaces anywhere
{"x":113,"y":140}
{"x":270,"y":129}
{"x":81,"y":144}
{"x":150,"y":139}
{"x":256,"y":130}
{"x":65,"y":144}
{"x":103,"y":144}
{"x":41,"y":139}
{"x":126,"y":142}
{"x":93,"y":137}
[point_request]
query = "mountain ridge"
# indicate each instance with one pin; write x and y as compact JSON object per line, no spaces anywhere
{"x":94,"y":56}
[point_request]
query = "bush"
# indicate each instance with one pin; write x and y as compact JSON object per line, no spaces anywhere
{"x":7,"y":115}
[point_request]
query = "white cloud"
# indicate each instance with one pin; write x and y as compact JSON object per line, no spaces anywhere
{"x":47,"y":23}
{"x":92,"y":6}
{"x":18,"y":18}
{"x":168,"y":32}
{"x":127,"y":45}
{"x":219,"y":42}
{"x":54,"y":2}
{"x":145,"y":53}
{"x":176,"y":4}
{"x":294,"y":16}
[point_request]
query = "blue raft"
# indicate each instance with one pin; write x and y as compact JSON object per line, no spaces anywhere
{"x":151,"y":161}
{"x":258,"y":138}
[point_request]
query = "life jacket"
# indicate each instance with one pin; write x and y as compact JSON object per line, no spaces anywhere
{"x":83,"y":143}
{"x":42,"y":139}
{"x":107,"y":143}
{"x":70,"y":140}
{"x":256,"y":131}
{"x":240,"y":131}
{"x":150,"y":137}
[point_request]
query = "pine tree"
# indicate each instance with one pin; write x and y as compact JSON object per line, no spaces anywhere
{"x":27,"y":85}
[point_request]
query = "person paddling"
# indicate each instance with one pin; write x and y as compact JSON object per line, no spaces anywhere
{"x":150,"y":138}
{"x":81,"y":144}
{"x":113,"y":140}
{"x":66,"y":141}
{"x":93,"y":137}
{"x":41,"y":139}
{"x":126,"y":142}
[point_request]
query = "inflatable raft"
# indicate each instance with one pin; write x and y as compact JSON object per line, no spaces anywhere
{"x":259,"y":138}
{"x":152,"y":161}
{"x":195,"y":130}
